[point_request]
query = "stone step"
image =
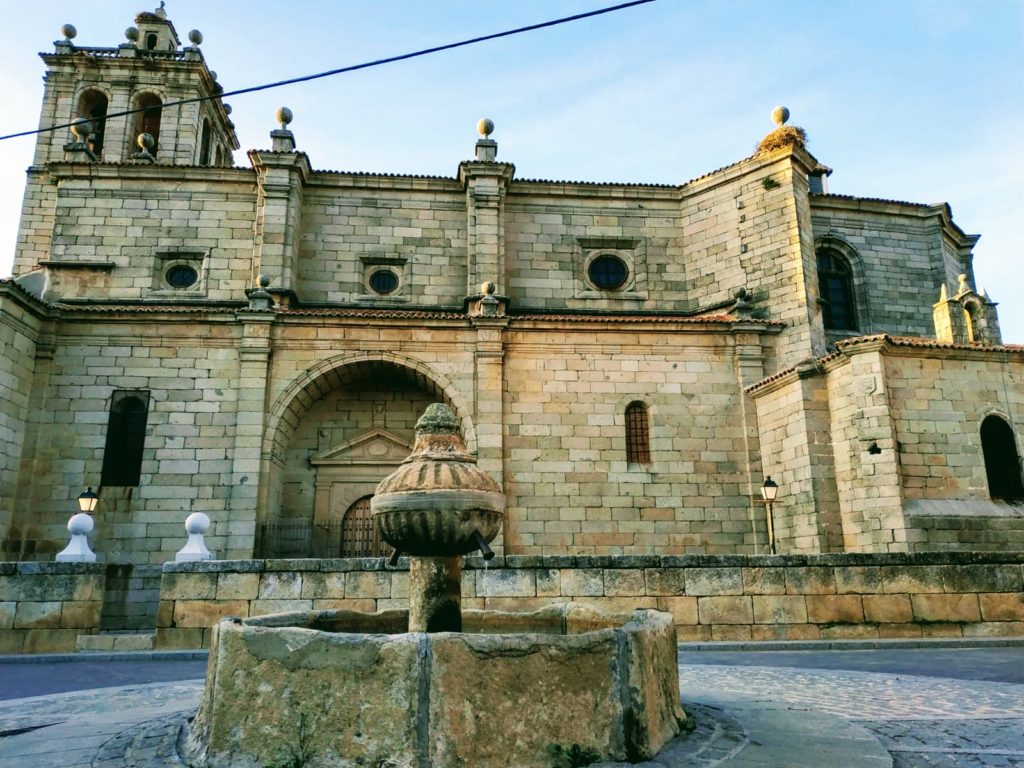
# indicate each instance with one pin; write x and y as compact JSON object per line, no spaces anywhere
{"x":115,"y":641}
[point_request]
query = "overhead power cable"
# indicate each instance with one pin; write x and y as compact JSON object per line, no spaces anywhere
{"x":353,"y":67}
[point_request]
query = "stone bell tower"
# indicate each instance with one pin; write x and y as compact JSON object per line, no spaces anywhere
{"x":147,"y":74}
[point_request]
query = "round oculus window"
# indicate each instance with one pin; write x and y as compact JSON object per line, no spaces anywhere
{"x":608,"y":272}
{"x":182,"y":276}
{"x":384,"y":281}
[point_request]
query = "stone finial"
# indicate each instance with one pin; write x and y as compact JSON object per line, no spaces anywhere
{"x":146,"y":142}
{"x":195,"y":37}
{"x":283,"y":140}
{"x":78,"y":150}
{"x":488,"y":288}
{"x":160,"y":11}
{"x":742,"y":307}
{"x":260,"y":298}
{"x":943,"y":293}
{"x":132,"y":35}
{"x":961,"y":284}
{"x":69,"y":32}
{"x":196,"y":525}
{"x":66,"y":46}
{"x":783,"y":135}
{"x":81,"y":129}
{"x":486,"y":147}
{"x":77,"y":550}
{"x":227,"y":109}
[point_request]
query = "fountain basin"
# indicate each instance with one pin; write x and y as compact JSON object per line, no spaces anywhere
{"x":342,"y":688}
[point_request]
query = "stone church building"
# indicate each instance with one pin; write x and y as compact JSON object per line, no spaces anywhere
{"x":631,"y":361}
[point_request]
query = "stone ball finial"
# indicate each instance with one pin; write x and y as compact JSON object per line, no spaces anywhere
{"x":488,"y":288}
{"x":81,"y":524}
{"x":213,"y":75}
{"x":197,"y":522}
{"x":69,"y":31}
{"x":284,"y":117}
{"x":263,"y":280}
{"x":485,"y":127}
{"x":227,"y":109}
{"x":132,"y":34}
{"x":195,"y":37}
{"x":780,"y":115}
{"x":81,"y":129}
{"x":145,"y":141}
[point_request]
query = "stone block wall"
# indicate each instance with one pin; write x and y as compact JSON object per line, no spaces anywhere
{"x":44,"y":607}
{"x":732,"y":597}
{"x":19,"y":329}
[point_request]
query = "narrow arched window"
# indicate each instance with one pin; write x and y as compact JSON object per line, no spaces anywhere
{"x":148,"y":120}
{"x":204,"y":144}
{"x":1002,"y":462}
{"x":92,"y":105}
{"x":638,"y":435}
{"x":970,"y":320}
{"x":835,"y":290}
{"x":126,"y":437}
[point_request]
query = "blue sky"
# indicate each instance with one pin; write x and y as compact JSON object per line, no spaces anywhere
{"x":919,"y":100}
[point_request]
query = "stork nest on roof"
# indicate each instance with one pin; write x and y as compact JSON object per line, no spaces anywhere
{"x":785,"y":136}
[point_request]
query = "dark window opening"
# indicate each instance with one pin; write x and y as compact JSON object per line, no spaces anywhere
{"x":148,"y":121}
{"x":182,"y":276}
{"x":969,"y":320}
{"x":359,"y":534}
{"x":608,"y":272}
{"x":835,"y":287}
{"x":93,"y":106}
{"x":126,"y":437}
{"x":151,"y":42}
{"x":1002,"y":462}
{"x":384,"y":281}
{"x":638,"y":438}
{"x":204,"y":144}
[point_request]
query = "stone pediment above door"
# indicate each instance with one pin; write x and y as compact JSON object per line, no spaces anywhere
{"x":376,"y":446}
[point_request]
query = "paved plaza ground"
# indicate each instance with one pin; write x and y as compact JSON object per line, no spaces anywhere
{"x":910,"y":707}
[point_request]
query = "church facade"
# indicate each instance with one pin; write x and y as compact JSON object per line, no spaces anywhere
{"x":630,"y":361}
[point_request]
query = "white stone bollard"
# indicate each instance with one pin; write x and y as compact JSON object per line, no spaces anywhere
{"x":195,"y":548}
{"x":77,"y":550}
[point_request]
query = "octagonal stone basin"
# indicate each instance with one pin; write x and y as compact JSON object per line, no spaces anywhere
{"x":340,"y":688}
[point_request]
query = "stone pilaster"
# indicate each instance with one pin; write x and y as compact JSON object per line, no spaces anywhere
{"x":749,"y":359}
{"x":253,"y":367}
{"x":489,"y":377}
{"x":486,"y":183}
{"x":281,"y":177}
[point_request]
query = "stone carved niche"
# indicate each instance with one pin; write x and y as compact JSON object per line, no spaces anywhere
{"x":352,"y":470}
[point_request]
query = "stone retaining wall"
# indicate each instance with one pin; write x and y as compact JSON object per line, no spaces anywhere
{"x":44,"y":607}
{"x":712,"y":597}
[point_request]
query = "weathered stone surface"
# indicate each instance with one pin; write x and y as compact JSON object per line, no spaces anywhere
{"x":281,"y":585}
{"x":1002,"y":607}
{"x":779,"y":609}
{"x":238,"y":586}
{"x":665,"y":581}
{"x":279,"y":686}
{"x":714,"y":581}
{"x":725,"y":610}
{"x":37,"y":615}
{"x":834,"y":609}
{"x":810,"y":581}
{"x":342,"y":699}
{"x":933,"y":608}
{"x":888,"y":609}
{"x":764,"y":581}
{"x":582,"y":582}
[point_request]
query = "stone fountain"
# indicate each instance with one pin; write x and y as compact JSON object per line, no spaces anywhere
{"x":435,"y":685}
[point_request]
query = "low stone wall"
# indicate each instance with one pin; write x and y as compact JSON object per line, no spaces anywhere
{"x":44,"y":607}
{"x":712,"y":597}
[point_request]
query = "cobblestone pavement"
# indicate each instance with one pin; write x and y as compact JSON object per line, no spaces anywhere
{"x":745,"y":717}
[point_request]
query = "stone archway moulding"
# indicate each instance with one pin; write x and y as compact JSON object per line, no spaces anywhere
{"x":307,"y":386}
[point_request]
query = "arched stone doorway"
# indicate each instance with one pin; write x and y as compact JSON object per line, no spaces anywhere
{"x":333,"y":435}
{"x":359,"y":536}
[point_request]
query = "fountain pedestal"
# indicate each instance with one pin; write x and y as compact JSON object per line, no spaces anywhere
{"x":435,"y":594}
